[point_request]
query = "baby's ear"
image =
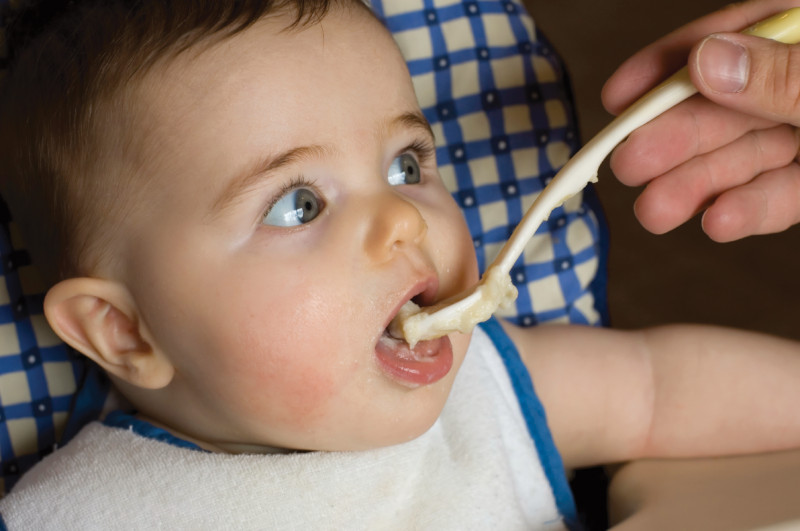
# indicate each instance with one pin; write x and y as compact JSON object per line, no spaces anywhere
{"x":99,"y":318}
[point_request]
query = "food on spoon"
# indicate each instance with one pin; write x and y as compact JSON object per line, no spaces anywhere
{"x":452,"y":315}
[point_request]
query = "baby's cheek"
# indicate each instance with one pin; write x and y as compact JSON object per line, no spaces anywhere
{"x":305,"y":397}
{"x":289,"y":392}
{"x":300,"y":364}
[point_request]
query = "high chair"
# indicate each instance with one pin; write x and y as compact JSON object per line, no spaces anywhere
{"x":499,"y":102}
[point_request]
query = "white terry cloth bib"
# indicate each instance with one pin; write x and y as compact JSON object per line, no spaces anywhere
{"x":476,"y":468}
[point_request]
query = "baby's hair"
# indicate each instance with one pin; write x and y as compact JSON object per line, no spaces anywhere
{"x":70,"y":63}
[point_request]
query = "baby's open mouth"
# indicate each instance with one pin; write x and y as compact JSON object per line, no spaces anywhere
{"x":426,"y":363}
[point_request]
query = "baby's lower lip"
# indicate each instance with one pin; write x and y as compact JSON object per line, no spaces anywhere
{"x":428,"y":362}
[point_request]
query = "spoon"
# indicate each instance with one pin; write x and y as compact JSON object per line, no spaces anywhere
{"x":463,"y":311}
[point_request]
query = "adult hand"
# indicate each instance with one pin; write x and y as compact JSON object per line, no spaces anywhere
{"x":731,"y":151}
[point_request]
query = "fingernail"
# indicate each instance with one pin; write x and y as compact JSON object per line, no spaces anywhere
{"x":723,"y":64}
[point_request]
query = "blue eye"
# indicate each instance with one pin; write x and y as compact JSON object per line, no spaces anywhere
{"x":404,"y":170}
{"x":296,"y":207}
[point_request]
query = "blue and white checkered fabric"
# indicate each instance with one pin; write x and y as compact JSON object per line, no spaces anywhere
{"x":499,"y":103}
{"x":38,"y":373}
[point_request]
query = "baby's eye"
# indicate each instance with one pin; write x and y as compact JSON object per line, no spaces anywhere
{"x":404,"y":170}
{"x":295,"y":207}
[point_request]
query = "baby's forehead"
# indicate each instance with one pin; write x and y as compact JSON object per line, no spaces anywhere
{"x":222,"y":62}
{"x":191,"y":88}
{"x":173,"y":91}
{"x":264,"y":85}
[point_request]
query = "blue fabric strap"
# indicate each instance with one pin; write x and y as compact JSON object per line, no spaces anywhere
{"x":536,"y":420}
{"x":126,"y":421}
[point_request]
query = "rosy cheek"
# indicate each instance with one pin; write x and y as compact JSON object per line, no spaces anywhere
{"x":303,"y":397}
{"x":290,"y":378}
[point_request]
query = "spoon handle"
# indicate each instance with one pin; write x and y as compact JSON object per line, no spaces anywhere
{"x":582,"y":168}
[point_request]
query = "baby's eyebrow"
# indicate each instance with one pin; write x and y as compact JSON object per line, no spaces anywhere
{"x":412,"y":120}
{"x":261,"y":170}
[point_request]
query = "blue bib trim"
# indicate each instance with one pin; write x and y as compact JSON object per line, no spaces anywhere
{"x":126,"y":421}
{"x":536,"y":420}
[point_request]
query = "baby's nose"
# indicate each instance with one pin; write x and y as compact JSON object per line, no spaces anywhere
{"x":395,"y":222}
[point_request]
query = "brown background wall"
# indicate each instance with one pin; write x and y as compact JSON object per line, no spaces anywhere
{"x":681,"y":276}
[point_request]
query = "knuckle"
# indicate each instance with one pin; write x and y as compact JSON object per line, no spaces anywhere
{"x":781,"y":79}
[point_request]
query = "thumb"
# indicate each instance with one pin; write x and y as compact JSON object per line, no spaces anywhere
{"x":756,"y":76}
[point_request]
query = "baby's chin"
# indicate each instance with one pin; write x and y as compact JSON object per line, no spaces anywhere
{"x":428,"y":402}
{"x":420,"y":416}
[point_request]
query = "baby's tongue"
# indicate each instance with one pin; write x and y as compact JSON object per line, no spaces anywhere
{"x":426,"y":363}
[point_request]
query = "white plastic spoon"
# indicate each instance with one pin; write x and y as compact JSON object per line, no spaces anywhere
{"x":463,"y":311}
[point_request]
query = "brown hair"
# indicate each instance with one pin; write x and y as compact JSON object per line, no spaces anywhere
{"x":61,"y":97}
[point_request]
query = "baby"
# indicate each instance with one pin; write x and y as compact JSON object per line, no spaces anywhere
{"x":237,"y":199}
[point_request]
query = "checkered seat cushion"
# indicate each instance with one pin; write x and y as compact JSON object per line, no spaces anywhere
{"x":499,"y":103}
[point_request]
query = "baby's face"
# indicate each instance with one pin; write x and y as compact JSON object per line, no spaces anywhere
{"x":295,"y":206}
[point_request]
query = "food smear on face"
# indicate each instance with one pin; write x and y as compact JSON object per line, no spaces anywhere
{"x":418,"y":324}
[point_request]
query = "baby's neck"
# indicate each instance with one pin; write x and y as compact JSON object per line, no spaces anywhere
{"x":225,"y":448}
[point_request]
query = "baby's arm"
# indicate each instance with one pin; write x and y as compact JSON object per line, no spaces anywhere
{"x":673,"y":391}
